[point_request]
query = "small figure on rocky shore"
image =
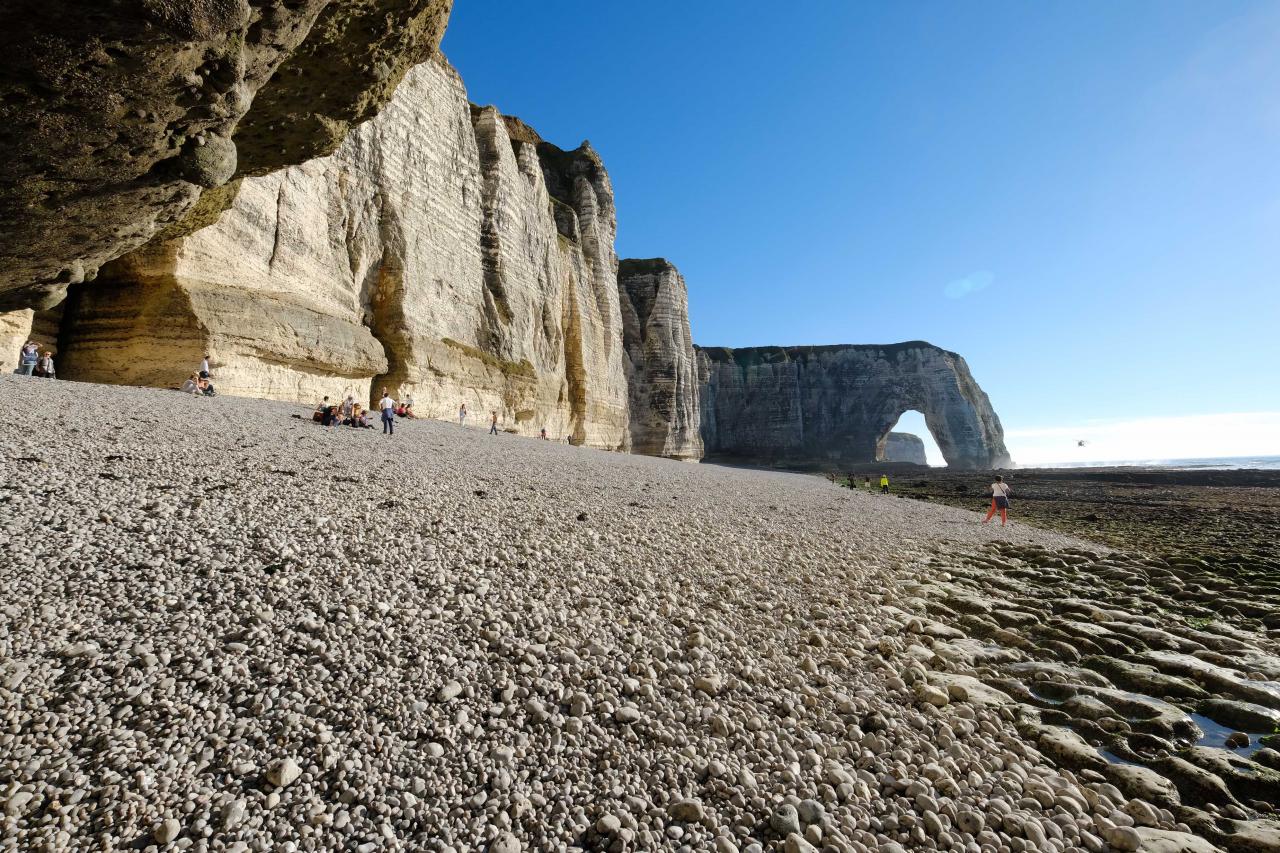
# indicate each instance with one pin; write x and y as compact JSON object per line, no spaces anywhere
{"x":493,"y":422}
{"x":999,"y":501}
{"x":542,"y":434}
{"x":462,"y":415}
{"x":388,"y":407}
{"x":853,"y":481}
{"x":867,"y":482}
{"x":204,"y":367}
{"x":884,"y":484}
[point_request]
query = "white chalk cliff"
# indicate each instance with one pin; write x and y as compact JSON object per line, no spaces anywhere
{"x":442,"y":251}
{"x":447,"y":252}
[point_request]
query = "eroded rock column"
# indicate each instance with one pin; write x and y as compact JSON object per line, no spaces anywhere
{"x":662,"y":372}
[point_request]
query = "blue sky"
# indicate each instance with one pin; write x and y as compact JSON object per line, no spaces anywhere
{"x":1082,"y":198}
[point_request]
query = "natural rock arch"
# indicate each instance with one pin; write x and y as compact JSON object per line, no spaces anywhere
{"x":828,"y":406}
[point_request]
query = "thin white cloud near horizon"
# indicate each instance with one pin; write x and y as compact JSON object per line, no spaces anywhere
{"x":1149,"y":439}
{"x":972,"y":283}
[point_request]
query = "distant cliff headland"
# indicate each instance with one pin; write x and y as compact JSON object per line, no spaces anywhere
{"x":323,"y":211}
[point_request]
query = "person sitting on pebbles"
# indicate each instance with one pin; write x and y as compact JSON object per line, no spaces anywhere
{"x":192,"y":385}
{"x":205,"y":386}
{"x":44,"y":367}
{"x":326,"y":414}
{"x":359,"y":417}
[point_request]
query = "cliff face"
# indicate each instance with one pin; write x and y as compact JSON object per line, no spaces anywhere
{"x":439,"y":249}
{"x":662,"y":372}
{"x":823,"y":407}
{"x":433,"y":252}
{"x":116,"y":116}
{"x":903,"y":447}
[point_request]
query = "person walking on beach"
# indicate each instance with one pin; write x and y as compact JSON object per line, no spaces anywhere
{"x":884,"y":484}
{"x":462,"y":415}
{"x":493,"y":422}
{"x":867,"y":481}
{"x":999,"y":501}
{"x":388,"y":407}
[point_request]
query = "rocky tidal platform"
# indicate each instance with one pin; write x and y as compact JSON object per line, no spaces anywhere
{"x":230,"y":629}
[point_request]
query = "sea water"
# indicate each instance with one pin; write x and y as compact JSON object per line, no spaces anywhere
{"x":1222,"y":463}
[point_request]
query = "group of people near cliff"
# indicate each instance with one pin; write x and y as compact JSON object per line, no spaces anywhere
{"x":33,"y":362}
{"x":347,"y":413}
{"x":350,"y":413}
{"x":200,"y":382}
{"x":999,"y":492}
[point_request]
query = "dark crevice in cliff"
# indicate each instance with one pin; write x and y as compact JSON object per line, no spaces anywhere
{"x":497,"y":307}
{"x":382,"y":297}
{"x":574,"y":370}
{"x":275,"y":240}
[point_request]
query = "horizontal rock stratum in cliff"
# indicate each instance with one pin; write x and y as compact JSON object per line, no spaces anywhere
{"x":903,"y":447}
{"x":116,"y":116}
{"x":443,"y":250}
{"x":829,"y":406}
{"x":662,"y":370}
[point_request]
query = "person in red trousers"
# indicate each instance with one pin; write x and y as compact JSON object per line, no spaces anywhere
{"x":999,"y":501}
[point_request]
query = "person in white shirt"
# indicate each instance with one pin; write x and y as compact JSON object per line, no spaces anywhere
{"x":204,"y":368}
{"x":462,"y":415}
{"x":388,"y":407}
{"x":999,"y":501}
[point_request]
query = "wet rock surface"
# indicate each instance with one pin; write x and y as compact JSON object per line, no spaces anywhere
{"x":1230,"y":519}
{"x":1133,"y":669}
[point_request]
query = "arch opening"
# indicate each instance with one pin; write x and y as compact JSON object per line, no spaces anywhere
{"x":910,"y":440}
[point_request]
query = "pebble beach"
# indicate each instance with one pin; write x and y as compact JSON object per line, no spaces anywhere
{"x":228,"y":628}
